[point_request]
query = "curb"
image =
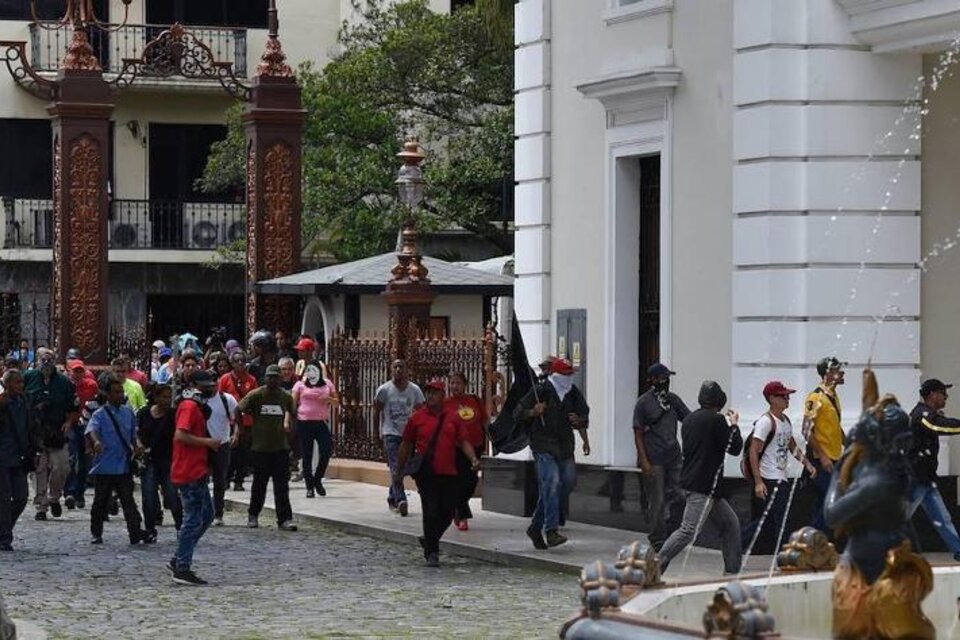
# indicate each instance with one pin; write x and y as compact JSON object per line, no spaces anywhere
{"x":492,"y":556}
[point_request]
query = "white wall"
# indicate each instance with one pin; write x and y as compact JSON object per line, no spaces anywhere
{"x":465,"y":313}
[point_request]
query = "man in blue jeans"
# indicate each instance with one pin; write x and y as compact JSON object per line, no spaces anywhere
{"x":190,"y":472}
{"x":928,"y":423}
{"x":552,"y":411}
{"x":394,"y":402}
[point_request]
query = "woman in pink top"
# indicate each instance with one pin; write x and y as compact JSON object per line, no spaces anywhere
{"x":314,"y":396}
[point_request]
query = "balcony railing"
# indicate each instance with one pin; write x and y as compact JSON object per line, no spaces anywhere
{"x":133,"y":224}
{"x":49,"y":47}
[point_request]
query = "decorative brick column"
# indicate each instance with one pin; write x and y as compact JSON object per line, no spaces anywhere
{"x":81,"y":119}
{"x":274,"y":130}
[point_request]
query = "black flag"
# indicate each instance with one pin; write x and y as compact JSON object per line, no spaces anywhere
{"x":506,"y":435}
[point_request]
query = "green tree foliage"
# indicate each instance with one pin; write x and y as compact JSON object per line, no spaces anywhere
{"x":403,"y":70}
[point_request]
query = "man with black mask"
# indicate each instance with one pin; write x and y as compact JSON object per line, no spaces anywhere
{"x":190,"y":471}
{"x":54,"y":399}
{"x":656,"y":418}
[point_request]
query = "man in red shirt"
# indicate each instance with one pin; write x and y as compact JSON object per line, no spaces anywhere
{"x":437,"y":478}
{"x":239,"y":383}
{"x":189,"y":473}
{"x":471,"y":411}
{"x":85,"y":386}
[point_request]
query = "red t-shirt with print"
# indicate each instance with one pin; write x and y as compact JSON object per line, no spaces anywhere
{"x":238,"y":387}
{"x":470,"y":410}
{"x":189,"y":461}
{"x":419,"y":430}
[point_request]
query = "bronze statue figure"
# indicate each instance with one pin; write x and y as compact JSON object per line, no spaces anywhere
{"x":879,"y":583}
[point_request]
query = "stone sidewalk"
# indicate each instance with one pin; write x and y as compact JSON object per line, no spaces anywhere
{"x":494,"y":537}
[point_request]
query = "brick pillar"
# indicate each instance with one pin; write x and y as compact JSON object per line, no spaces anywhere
{"x":81,"y":119}
{"x":274,"y":131}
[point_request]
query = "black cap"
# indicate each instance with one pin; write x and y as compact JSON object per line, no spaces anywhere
{"x":933,"y":385}
{"x":829,"y":364}
{"x":659,"y":369}
{"x":202,"y":378}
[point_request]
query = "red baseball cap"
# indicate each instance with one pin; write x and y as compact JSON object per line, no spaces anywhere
{"x":75,"y":364}
{"x":306,"y":344}
{"x":562,"y":366}
{"x":776,"y":388}
{"x":437,"y":384}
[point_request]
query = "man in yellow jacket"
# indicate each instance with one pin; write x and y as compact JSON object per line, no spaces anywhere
{"x":822,"y":417}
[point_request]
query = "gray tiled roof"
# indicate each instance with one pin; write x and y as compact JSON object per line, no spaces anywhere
{"x":371,"y":275}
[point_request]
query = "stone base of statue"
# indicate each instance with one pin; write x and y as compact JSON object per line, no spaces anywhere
{"x":890,"y":607}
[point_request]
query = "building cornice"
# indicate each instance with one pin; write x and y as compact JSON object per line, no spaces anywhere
{"x":903,"y":25}
{"x":637,"y":10}
{"x":633,"y":96}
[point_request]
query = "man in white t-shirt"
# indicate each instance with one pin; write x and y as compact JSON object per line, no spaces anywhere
{"x":222,"y":426}
{"x":769,"y":446}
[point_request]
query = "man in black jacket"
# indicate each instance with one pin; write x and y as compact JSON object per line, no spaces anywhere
{"x":928,"y":423}
{"x":707,"y":437}
{"x":552,"y":411}
{"x":16,"y":454}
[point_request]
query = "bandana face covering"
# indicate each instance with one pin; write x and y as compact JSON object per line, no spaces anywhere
{"x":561,"y":383}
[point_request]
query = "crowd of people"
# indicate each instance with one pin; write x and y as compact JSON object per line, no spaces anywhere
{"x":201,"y":420}
{"x":197,"y":419}
{"x":686,"y":472}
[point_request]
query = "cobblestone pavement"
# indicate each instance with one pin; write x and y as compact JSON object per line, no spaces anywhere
{"x":316,"y":583}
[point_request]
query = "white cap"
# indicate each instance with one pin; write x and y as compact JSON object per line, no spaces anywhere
{"x":159,"y":344}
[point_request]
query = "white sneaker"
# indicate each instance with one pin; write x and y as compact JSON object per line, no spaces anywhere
{"x":218,"y":522}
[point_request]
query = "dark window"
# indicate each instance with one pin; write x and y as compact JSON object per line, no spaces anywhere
{"x":351,"y":314}
{"x":199,"y":314}
{"x":251,"y":14}
{"x":46,"y":9}
{"x":178,"y":155}
{"x":649,"y":297}
{"x":27,"y":170}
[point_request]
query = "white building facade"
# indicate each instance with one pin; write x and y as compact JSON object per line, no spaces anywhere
{"x":737,"y":188}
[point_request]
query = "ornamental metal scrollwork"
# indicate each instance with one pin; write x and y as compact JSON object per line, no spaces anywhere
{"x":178,"y":52}
{"x":86,"y":242}
{"x":15,"y":56}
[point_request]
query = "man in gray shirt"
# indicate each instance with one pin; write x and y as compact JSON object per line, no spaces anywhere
{"x":656,"y":416}
{"x":395,"y":401}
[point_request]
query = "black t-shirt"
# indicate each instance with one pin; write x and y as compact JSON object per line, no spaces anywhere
{"x":705,"y":443}
{"x":659,"y":425}
{"x":156,"y":434}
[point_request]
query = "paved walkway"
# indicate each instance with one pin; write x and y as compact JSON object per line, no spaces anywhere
{"x":494,"y":537}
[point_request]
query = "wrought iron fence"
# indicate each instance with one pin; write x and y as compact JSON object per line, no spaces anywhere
{"x":134,"y":224}
{"x":25,"y":317}
{"x":48,"y":46}
{"x":360,"y":364}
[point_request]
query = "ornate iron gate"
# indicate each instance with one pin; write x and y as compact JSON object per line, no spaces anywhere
{"x":358,"y":365}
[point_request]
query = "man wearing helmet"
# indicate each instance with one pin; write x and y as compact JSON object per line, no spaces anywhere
{"x":821,"y":427}
{"x":263,"y":346}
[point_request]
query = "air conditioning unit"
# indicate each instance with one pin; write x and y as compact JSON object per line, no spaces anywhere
{"x":235,"y":228}
{"x":130,"y":227}
{"x":32,"y":223}
{"x":203,"y":223}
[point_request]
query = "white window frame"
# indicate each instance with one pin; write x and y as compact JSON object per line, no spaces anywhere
{"x":617,"y":11}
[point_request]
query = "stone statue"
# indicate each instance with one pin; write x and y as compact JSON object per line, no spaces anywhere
{"x":879,"y":583}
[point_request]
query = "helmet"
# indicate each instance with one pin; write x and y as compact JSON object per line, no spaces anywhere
{"x":263,"y":340}
{"x":828,"y":364}
{"x":73,"y":353}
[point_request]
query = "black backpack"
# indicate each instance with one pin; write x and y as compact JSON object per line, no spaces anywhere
{"x":745,"y":468}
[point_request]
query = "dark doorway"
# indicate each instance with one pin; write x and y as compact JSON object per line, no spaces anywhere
{"x":178,"y":155}
{"x":27,"y":171}
{"x":168,"y":315}
{"x":649,"y":294}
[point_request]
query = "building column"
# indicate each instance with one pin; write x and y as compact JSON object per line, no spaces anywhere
{"x":274,"y":130}
{"x":81,"y":119}
{"x":826,"y":203}
{"x":532,"y":172}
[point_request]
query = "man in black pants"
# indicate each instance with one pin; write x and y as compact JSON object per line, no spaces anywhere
{"x":435,"y":434}
{"x":15,"y":454}
{"x":272,"y":411}
{"x":113,"y":431}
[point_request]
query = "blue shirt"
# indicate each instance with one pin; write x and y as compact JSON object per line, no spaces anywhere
{"x":114,"y":459}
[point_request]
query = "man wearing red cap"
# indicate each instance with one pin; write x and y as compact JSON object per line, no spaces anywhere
{"x":552,"y":411}
{"x":768,"y":446}
{"x":436,"y":434}
{"x":86,"y":390}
